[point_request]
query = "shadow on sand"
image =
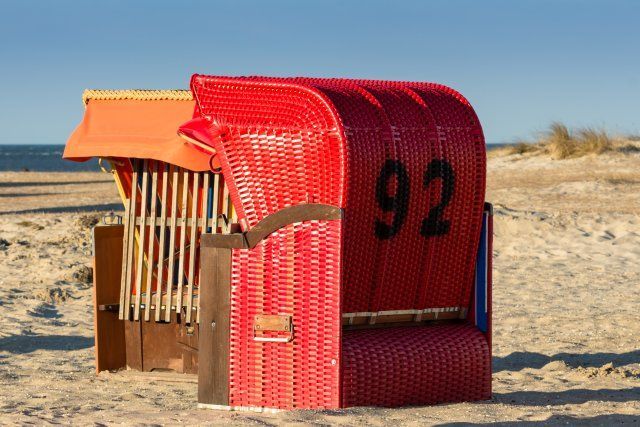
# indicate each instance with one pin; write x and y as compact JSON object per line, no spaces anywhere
{"x":522,"y":359}
{"x":564,"y":420}
{"x":48,"y":183}
{"x":567,"y":397}
{"x":70,"y":209}
{"x":12,"y":195}
{"x":23,"y":344}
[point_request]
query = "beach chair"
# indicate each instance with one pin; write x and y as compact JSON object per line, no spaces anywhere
{"x":342,"y":259}
{"x":361,"y":275}
{"x":146,"y":266}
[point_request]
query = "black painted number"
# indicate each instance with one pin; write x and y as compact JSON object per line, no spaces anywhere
{"x":433,"y":224}
{"x":398,"y":203}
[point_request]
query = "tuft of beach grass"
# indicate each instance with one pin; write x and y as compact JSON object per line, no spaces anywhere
{"x":561,"y":142}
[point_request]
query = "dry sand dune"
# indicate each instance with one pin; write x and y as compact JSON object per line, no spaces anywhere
{"x":566,"y":304}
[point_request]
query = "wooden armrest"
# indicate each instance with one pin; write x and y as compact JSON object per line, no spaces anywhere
{"x":289,"y":215}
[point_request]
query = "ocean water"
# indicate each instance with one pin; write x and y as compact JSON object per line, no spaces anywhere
{"x":41,"y":158}
{"x":48,"y":158}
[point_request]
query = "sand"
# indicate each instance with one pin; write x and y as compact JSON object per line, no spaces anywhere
{"x":566,"y":306}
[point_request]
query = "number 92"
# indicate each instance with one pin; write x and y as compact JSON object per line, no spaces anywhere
{"x":433,"y":224}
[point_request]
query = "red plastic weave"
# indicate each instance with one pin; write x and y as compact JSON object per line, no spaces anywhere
{"x":415,"y":366}
{"x":430,"y":122}
{"x":375,"y":120}
{"x":281,"y":145}
{"x":292,"y":141}
{"x":295,"y":271}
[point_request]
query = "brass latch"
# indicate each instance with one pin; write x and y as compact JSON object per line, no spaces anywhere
{"x":264,"y":323}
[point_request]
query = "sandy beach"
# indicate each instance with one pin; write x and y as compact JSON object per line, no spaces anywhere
{"x":566,"y":306}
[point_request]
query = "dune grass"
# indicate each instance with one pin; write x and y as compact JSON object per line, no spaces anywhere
{"x":560,"y":142}
{"x":522,"y":147}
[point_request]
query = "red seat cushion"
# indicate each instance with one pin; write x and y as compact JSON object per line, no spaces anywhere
{"x":402,"y":366}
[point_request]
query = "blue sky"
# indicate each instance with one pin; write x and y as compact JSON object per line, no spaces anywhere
{"x":521,"y":63}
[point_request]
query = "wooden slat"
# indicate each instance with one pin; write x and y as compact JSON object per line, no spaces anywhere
{"x":205,"y":203}
{"x":188,"y":217}
{"x":152,"y":240}
{"x":140,"y":263}
{"x":163,"y":301}
{"x":225,"y":209}
{"x":131,"y":240}
{"x":213,"y":346}
{"x":233,"y":215}
{"x":172,"y":242}
{"x":198,"y":221}
{"x":404,"y":319}
{"x":216,"y":201}
{"x":124,"y":259}
{"x":117,"y":177}
{"x":183,"y":237}
{"x":163,"y":235}
{"x":203,"y":228}
{"x":192,"y":245}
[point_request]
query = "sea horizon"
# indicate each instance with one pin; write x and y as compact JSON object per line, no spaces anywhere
{"x":48,"y":158}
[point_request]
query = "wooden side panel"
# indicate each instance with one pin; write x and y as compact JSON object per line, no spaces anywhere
{"x":107,"y":267}
{"x":187,"y":341}
{"x":133,"y":334}
{"x":213,"y":358}
{"x":169,"y":346}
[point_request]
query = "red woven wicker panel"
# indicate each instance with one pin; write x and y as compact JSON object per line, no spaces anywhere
{"x":296,"y":272}
{"x":415,"y":366}
{"x":429,"y":125}
{"x":454,"y":136}
{"x":282,"y":144}
{"x":461,"y":142}
{"x":405,"y":260}
{"x":369,"y":143}
{"x":412,"y":159}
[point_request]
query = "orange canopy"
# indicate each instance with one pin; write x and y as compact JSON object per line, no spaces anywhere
{"x":136,"y":124}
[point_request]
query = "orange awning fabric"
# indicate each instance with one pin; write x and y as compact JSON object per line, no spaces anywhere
{"x":144,"y":128}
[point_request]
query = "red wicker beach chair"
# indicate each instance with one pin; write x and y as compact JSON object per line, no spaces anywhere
{"x":362,"y":272}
